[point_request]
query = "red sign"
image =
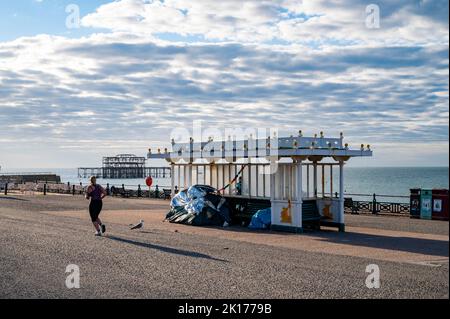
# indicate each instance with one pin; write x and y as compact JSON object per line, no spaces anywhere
{"x":149,"y":181}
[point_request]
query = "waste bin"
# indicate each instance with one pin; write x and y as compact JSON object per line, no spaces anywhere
{"x":425,"y":203}
{"x":440,"y":204}
{"x":414,"y":203}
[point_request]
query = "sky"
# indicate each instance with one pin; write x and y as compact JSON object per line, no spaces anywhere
{"x":125,"y":74}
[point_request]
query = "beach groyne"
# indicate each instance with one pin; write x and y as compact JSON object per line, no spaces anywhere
{"x":20,"y":178}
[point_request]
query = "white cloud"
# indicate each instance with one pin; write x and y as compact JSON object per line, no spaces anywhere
{"x":128,"y":83}
{"x":318,"y":21}
{"x":125,"y":90}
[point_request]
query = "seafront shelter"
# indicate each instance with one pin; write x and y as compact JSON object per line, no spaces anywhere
{"x":295,"y":175}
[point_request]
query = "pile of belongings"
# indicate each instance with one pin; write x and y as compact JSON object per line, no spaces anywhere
{"x":200,"y":205}
{"x":262,"y":219}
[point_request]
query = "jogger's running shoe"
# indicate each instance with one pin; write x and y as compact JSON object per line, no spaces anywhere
{"x":98,"y":233}
{"x":103,"y":228}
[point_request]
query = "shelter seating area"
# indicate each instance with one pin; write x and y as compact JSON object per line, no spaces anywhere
{"x":243,"y":209}
{"x":295,"y":176}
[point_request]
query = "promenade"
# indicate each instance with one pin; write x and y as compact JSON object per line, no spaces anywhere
{"x":41,"y":235}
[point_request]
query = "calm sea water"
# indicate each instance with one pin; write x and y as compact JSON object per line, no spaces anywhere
{"x":358,"y":180}
{"x":394,"y":180}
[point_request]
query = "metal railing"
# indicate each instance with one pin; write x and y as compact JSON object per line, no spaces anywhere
{"x":139,"y":191}
{"x":372,"y":206}
{"x":375,"y":206}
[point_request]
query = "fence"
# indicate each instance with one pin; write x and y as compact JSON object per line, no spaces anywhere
{"x":122,"y":190}
{"x":375,"y":206}
{"x":372,"y":206}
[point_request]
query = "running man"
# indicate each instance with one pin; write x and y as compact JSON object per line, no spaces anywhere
{"x":96,"y":193}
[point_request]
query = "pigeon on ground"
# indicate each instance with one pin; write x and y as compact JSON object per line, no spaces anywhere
{"x":139,"y":225}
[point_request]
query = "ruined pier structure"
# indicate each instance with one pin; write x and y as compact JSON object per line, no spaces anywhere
{"x":124,"y":166}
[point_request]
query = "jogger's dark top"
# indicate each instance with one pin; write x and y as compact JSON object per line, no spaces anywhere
{"x":96,"y":194}
{"x":96,"y":205}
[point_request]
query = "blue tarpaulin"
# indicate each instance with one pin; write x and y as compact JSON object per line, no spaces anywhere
{"x":262,"y":219}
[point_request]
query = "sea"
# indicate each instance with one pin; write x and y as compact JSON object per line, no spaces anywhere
{"x":360,"y":182}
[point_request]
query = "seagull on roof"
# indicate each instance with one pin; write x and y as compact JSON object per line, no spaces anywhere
{"x":139,"y":225}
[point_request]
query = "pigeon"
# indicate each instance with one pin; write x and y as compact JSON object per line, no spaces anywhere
{"x":138,"y":226}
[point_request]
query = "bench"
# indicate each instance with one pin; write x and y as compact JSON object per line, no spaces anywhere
{"x":350,"y":204}
{"x":2,"y":185}
{"x":243,"y":209}
{"x":251,"y":208}
{"x":310,"y":214}
{"x":167,"y":193}
{"x":116,"y":191}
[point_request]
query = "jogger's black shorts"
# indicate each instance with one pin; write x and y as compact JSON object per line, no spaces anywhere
{"x":95,"y":207}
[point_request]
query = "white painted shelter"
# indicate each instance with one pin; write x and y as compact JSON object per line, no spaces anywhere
{"x":292,"y":172}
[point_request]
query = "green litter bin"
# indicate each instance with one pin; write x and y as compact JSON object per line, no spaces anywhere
{"x":426,"y":206}
{"x":414,"y":203}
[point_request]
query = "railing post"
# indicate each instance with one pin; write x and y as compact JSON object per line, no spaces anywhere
{"x":6,"y":189}
{"x":157,"y":192}
{"x":68,"y":187}
{"x":73,"y":190}
{"x":45,"y":188}
{"x":139,"y":190}
{"x":107,"y":189}
{"x":374,"y":204}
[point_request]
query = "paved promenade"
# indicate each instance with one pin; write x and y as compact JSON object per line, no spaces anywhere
{"x":40,"y":236}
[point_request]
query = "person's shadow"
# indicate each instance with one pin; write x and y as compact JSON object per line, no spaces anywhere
{"x":165,"y":249}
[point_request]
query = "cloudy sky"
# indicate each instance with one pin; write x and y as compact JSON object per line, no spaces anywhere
{"x":131,"y":70}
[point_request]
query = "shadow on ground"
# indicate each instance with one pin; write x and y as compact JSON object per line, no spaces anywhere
{"x":14,"y":198}
{"x":407,"y":244}
{"x":165,"y":249}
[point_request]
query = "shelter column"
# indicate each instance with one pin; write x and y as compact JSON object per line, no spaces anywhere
{"x":341,"y":196}
{"x":272,"y":183}
{"x":315,"y":179}
{"x":172,"y":179}
{"x":299,"y":188}
{"x":189,"y":175}
{"x":307,"y":180}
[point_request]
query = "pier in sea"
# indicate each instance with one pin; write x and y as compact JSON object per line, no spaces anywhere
{"x":124,"y":166}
